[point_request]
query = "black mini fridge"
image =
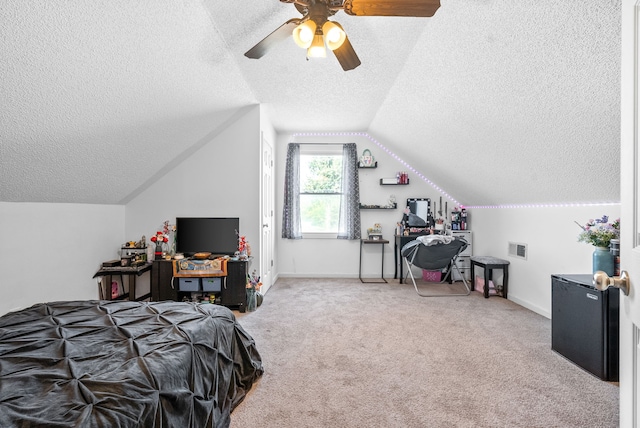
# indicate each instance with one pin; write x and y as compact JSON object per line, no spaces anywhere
{"x":584,"y":324}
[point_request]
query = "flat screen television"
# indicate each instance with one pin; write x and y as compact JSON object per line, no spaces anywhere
{"x":215,"y":235}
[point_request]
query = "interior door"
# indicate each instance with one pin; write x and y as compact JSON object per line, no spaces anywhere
{"x":267,"y":192}
{"x":630,"y":213}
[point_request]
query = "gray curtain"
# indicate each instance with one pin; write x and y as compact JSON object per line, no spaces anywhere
{"x":349,"y":224}
{"x":291,"y":228}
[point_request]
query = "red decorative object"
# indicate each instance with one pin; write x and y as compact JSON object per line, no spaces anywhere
{"x":159,"y":238}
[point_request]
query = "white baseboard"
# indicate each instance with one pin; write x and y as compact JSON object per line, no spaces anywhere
{"x":316,"y":275}
{"x":538,"y":310}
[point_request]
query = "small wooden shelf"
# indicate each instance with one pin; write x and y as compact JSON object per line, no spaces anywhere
{"x":393,"y":184}
{"x":378,"y":207}
{"x":375,"y":165}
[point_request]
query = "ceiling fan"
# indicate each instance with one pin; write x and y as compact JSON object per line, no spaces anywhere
{"x":315,"y":32}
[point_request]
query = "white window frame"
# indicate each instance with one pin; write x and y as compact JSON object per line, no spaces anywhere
{"x":321,"y":149}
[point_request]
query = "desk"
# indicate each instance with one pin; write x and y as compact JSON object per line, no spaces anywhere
{"x":489,"y":264}
{"x":131,"y":271}
{"x":372,"y":241}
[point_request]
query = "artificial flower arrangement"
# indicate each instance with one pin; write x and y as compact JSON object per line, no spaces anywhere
{"x":242,"y":243}
{"x":169,"y":230}
{"x":253,"y":281}
{"x":599,"y":232}
{"x":244,"y":249}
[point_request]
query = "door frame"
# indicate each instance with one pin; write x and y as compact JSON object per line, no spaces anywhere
{"x":630,"y":211}
{"x":267,"y":257}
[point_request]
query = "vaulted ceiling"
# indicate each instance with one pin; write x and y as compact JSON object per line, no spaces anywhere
{"x":496,"y":101}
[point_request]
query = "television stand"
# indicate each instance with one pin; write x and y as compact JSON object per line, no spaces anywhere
{"x":232,"y":295}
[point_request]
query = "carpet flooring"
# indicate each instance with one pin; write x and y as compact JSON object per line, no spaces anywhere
{"x":339,"y":353}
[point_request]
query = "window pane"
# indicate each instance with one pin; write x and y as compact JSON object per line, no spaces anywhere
{"x":319,"y":213}
{"x":320,"y":174}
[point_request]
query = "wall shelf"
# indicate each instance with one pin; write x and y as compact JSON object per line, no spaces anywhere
{"x":378,"y":207}
{"x":375,"y":165}
{"x":393,"y":184}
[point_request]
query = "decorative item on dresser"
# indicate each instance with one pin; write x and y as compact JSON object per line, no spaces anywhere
{"x":599,"y":233}
{"x":253,"y":288}
{"x":602,"y":260}
{"x":159,"y":239}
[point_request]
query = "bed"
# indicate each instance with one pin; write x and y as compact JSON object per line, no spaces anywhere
{"x":123,"y":364}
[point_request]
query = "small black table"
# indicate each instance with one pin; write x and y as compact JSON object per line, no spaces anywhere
{"x":489,"y":264}
{"x":131,"y":272}
{"x":372,"y":241}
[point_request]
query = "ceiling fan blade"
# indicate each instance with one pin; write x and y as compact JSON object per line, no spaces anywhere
{"x":421,"y":8}
{"x":281,"y":33}
{"x":347,"y":56}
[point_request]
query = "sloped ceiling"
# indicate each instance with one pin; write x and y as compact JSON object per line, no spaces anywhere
{"x":496,"y":101}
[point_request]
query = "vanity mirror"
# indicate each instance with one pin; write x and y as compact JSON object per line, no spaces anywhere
{"x":419,"y":214}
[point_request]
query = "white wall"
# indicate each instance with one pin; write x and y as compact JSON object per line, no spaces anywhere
{"x":50,"y":252}
{"x":221,"y":179}
{"x":340,"y":258}
{"x":549,"y":232}
{"x":553,"y":248}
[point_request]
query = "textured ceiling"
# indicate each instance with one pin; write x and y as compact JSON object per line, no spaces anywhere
{"x":496,"y":101}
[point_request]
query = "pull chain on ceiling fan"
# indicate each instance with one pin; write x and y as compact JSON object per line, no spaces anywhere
{"x":315,"y":32}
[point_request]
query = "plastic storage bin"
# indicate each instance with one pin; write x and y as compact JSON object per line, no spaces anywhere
{"x":431,"y":275}
{"x":189,"y":284}
{"x":211,"y":284}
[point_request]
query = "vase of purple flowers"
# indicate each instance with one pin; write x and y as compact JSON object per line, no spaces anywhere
{"x":599,"y":233}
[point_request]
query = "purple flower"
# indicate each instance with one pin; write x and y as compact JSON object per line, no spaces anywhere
{"x":599,"y":232}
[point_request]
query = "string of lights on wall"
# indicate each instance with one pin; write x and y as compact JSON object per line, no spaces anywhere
{"x":438,"y":188}
{"x":387,"y":151}
{"x":556,"y":205}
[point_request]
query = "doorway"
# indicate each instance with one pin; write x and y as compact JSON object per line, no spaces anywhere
{"x":266,"y":213}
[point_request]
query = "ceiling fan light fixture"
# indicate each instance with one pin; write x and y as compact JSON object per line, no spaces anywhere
{"x":304,"y":34}
{"x":317,"y":48}
{"x":334,"y":35}
{"x":315,"y":33}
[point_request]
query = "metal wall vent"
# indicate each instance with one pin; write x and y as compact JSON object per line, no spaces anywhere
{"x":518,"y":250}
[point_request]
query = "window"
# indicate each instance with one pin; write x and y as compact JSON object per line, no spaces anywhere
{"x":321,"y":194}
{"x":320,"y":189}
